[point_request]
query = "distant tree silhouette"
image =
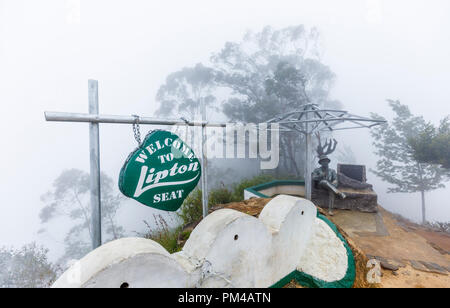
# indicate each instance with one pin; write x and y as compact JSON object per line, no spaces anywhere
{"x":397,"y":164}
{"x":69,"y":198}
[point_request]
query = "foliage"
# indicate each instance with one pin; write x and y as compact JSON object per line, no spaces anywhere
{"x":289,"y":84}
{"x":220,"y":196}
{"x":27,"y":267}
{"x":273,"y":72}
{"x":69,"y":198}
{"x":432,"y":145}
{"x":185,"y":90}
{"x":191,"y":209}
{"x":162,"y":234}
{"x":265,"y":74}
{"x":397,"y":164}
{"x":192,"y":212}
{"x":238,"y":188}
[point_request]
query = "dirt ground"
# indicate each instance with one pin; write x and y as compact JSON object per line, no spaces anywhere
{"x":416,"y":257}
{"x":398,"y":243}
{"x":409,"y":277}
{"x":401,"y":244}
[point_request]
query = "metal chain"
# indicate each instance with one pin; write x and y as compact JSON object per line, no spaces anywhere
{"x":187,"y":128}
{"x":136,"y":129}
{"x":206,"y":271}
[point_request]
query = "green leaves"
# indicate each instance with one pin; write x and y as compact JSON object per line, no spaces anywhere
{"x":264,"y":74}
{"x":398,"y":163}
{"x":432,"y":145}
{"x":275,"y":66}
{"x":26,"y":267}
{"x":288,"y":83}
{"x":185,"y":90}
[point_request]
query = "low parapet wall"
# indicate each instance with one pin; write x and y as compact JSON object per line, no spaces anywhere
{"x":364,"y":200}
{"x":280,"y":187}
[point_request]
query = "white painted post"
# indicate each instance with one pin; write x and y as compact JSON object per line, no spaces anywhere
{"x":94,"y":152}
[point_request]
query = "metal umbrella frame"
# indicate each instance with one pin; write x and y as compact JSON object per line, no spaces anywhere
{"x":310,"y":119}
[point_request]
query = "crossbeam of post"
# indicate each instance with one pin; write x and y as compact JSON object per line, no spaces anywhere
{"x":119,"y":119}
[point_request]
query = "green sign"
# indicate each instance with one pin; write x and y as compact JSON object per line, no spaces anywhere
{"x":161,"y":172}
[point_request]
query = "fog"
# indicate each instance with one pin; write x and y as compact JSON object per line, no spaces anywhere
{"x":49,"y":49}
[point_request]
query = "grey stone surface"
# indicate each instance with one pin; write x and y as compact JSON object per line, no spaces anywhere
{"x":405,"y":227}
{"x":418,"y":266}
{"x":388,"y":264}
{"x":435,"y":268}
{"x":346,"y":182}
{"x":351,"y":181}
{"x":356,"y":172}
{"x":428,"y":267}
{"x":381,"y":227}
{"x":364,"y":200}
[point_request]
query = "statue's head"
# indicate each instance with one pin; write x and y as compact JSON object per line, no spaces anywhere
{"x":324,"y":161}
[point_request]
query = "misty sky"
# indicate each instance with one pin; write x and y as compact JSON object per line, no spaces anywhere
{"x":50,"y":48}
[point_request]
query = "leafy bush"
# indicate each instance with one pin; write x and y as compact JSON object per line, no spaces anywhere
{"x":238,"y":189}
{"x":163,"y":235}
{"x":191,"y":210}
{"x":27,"y":267}
{"x":220,"y":196}
{"x":184,"y":235}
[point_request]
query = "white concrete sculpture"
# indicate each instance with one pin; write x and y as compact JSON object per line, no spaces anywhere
{"x":227,"y":249}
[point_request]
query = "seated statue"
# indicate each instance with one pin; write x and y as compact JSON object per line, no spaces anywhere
{"x":349,"y":184}
{"x":325,"y":177}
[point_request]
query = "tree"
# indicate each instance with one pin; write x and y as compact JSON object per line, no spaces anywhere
{"x":70,"y":198}
{"x":27,"y":267}
{"x":272,"y":67}
{"x":263,"y":75}
{"x":432,"y":145}
{"x":397,"y":164}
{"x":273,"y":72}
{"x":183,"y":94}
{"x":185,"y":91}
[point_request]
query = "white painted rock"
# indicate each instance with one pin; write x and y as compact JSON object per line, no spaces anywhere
{"x":290,"y":220}
{"x":127,"y":262}
{"x":227,"y":249}
{"x":235,"y":246}
{"x":325,"y":256}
